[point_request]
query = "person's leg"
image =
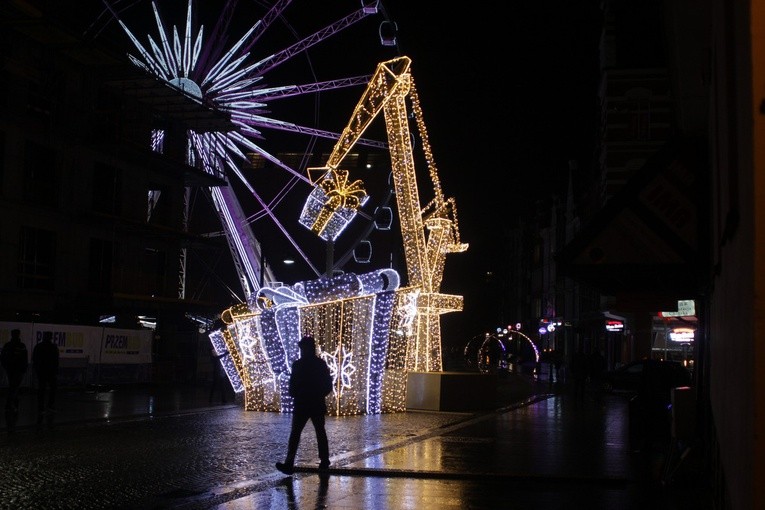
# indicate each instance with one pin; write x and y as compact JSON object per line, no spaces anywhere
{"x":15,"y":390}
{"x":321,"y":439}
{"x":12,"y":402}
{"x":299,"y":419}
{"x":298,"y":423}
{"x":50,"y":410}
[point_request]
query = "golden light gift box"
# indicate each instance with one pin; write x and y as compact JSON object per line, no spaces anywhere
{"x":362,"y":325}
{"x":332,"y":204}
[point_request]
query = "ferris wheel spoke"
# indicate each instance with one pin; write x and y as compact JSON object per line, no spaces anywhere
{"x":280,"y":125}
{"x":276,"y":200}
{"x":109,"y":13}
{"x":216,"y":42}
{"x":267,"y":208}
{"x":249,"y":144}
{"x":240,"y":238}
{"x":214,"y":48}
{"x":286,"y":91}
{"x":149,"y":62}
{"x":269,"y":212}
{"x":276,"y":59}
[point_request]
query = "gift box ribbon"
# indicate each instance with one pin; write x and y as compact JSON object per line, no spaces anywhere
{"x":339,"y":194}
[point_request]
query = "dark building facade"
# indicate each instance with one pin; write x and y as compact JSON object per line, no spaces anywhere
{"x":679,"y":212}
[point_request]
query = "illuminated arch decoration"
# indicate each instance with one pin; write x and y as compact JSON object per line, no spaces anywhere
{"x":359,"y":323}
{"x":485,"y":362}
{"x":529,"y":340}
{"x":477,"y":348}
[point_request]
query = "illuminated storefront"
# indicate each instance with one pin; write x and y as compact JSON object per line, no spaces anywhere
{"x":674,"y":334}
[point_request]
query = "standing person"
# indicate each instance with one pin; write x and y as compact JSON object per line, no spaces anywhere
{"x":310,"y":383}
{"x":45,"y":360}
{"x":14,"y":360}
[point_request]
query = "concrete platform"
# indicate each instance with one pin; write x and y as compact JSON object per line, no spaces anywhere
{"x":450,"y":391}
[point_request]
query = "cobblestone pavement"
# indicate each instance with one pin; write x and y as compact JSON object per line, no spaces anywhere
{"x":132,"y":463}
{"x":540,"y":451}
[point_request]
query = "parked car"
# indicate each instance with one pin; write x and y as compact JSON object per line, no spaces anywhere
{"x":629,"y":378}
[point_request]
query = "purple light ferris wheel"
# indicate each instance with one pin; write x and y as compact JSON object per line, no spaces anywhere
{"x":258,"y":63}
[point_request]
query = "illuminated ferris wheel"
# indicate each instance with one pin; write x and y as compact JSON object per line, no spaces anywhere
{"x":254,"y":62}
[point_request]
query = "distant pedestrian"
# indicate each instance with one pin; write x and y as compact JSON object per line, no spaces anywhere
{"x":310,"y":383}
{"x":558,"y":363}
{"x":14,"y":359}
{"x":45,"y":361}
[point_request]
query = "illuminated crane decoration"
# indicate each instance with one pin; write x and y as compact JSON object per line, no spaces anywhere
{"x":425,"y":252}
{"x":370,"y":331}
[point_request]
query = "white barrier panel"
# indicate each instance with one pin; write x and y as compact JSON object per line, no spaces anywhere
{"x":98,"y":344}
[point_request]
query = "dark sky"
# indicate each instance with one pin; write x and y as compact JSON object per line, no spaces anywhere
{"x":509,"y":92}
{"x":509,"y":96}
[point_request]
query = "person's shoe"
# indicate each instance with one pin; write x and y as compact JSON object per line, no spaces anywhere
{"x":324,"y":465}
{"x":287,"y":469}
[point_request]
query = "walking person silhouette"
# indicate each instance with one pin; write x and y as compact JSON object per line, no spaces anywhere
{"x":45,"y":361}
{"x":310,"y":383}
{"x":14,"y":360}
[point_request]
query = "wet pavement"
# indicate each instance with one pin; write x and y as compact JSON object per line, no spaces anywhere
{"x":169,"y":447}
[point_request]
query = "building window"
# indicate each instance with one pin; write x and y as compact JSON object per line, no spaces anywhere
{"x":37,"y":253}
{"x":639,"y":108}
{"x":40,"y":178}
{"x":100,"y":265}
{"x":107,"y":189}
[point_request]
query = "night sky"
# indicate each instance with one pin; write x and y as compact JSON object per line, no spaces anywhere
{"x":509,"y":96}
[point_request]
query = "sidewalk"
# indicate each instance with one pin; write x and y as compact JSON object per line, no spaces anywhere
{"x":539,"y":449}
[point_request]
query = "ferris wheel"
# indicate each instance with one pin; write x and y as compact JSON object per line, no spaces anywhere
{"x":258,"y":63}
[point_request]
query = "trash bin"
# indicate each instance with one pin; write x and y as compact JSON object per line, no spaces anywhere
{"x":683,"y":413}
